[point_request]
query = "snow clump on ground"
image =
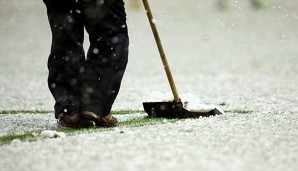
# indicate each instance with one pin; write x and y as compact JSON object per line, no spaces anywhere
{"x":52,"y":134}
{"x":190,"y":101}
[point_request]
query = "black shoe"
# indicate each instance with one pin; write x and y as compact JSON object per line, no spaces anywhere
{"x":100,"y":120}
{"x":67,"y":121}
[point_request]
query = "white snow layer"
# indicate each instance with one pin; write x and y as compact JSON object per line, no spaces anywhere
{"x":260,"y":141}
{"x":243,"y":58}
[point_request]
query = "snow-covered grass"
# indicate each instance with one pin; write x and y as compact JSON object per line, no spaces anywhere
{"x":258,"y":141}
{"x":49,"y":129}
{"x":243,"y":60}
{"x":48,"y":111}
{"x":26,"y":124}
{"x":20,"y":123}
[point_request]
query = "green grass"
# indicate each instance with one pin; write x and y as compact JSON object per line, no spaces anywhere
{"x":25,"y":112}
{"x":259,"y":4}
{"x":27,"y":136}
{"x":35,"y":135}
{"x":123,"y":112}
{"x":146,"y":121}
{"x":118,"y":112}
{"x":240,"y":111}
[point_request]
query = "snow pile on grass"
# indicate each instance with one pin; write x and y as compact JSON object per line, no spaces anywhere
{"x":190,"y":101}
{"x":17,"y":124}
{"x":52,"y":134}
{"x":233,"y":142}
{"x":16,"y":141}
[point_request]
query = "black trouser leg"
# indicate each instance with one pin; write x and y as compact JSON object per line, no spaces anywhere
{"x":67,"y":54}
{"x":90,"y":85}
{"x":107,"y":55}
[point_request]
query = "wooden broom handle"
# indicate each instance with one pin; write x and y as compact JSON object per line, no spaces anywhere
{"x":161,"y":50}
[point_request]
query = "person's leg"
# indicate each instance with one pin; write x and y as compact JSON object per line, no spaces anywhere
{"x":67,"y":54}
{"x":105,"y":22}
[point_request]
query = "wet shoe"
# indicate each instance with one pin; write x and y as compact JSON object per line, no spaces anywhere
{"x":100,"y":120}
{"x":85,"y":123}
{"x":67,"y":121}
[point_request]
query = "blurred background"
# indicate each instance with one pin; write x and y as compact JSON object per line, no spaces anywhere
{"x":233,"y":53}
